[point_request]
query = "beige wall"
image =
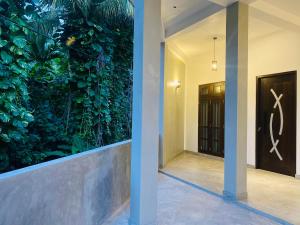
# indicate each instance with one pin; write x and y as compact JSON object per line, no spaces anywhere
{"x":199,"y":72}
{"x":174,"y":106}
{"x":275,"y":53}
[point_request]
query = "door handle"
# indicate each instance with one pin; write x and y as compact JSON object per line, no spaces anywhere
{"x":259,"y":129}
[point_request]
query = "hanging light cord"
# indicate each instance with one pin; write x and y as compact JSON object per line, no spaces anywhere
{"x":215,"y":38}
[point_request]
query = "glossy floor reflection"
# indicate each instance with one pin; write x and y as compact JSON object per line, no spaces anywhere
{"x":272,"y":193}
{"x":181,"y":204}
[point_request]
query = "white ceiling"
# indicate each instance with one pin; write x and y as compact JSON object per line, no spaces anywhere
{"x":266,"y":18}
{"x":179,"y":14}
{"x":198,"y":38}
{"x":284,"y":8}
{"x":183,"y":7}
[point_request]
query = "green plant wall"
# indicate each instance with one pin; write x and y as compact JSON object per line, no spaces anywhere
{"x":65,"y":78}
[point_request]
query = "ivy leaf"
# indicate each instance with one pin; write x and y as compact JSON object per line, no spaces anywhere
{"x":5,"y":84}
{"x":79,"y":100}
{"x":98,"y":28}
{"x":91,"y":32}
{"x":92,"y":93}
{"x":16,"y":50}
{"x":13,"y":27}
{"x":11,"y":95}
{"x":6,"y":58}
{"x":97,"y":47}
{"x":49,"y":43}
{"x":4,"y":73}
{"x":22,"y":64}
{"x":16,"y":69}
{"x":19,"y":124}
{"x":90,"y":23}
{"x":15,"y":135}
{"x":4,"y":117}
{"x":3,"y":43}
{"x":19,"y":41}
{"x":28,"y":117}
{"x":81,"y":84}
{"x":5,"y":138}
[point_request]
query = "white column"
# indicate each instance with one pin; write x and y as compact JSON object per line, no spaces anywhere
{"x":235,"y":184}
{"x":145,"y":130}
{"x":161,"y":106}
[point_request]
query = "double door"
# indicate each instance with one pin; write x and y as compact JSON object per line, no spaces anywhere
{"x":211,"y":119}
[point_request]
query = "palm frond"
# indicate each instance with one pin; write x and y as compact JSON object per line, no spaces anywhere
{"x":72,"y":6}
{"x":114,"y":12}
{"x":110,"y":10}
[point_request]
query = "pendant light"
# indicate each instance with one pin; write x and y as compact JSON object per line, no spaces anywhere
{"x":214,"y":64}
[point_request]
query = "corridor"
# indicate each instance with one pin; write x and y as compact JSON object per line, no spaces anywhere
{"x":269,"y":192}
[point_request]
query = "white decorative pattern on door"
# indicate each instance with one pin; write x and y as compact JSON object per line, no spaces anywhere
{"x":275,"y":143}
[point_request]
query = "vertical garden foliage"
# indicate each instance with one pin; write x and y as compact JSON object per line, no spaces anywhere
{"x":14,"y":74}
{"x":65,"y":78}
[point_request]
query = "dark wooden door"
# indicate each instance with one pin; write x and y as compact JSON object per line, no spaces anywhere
{"x":204,"y":120}
{"x":276,"y":123}
{"x":211,"y":119}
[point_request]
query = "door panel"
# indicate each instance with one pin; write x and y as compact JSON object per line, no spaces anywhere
{"x":276,"y":123}
{"x":217,"y":129}
{"x":204,"y":125}
{"x":211,"y":119}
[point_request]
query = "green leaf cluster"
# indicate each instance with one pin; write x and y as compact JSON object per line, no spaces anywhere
{"x":65,"y":78}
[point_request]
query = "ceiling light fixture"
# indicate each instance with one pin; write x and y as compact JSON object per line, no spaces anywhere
{"x":214,"y":64}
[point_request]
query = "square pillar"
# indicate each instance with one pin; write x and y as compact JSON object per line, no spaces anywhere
{"x":235,"y":163}
{"x":145,"y":127}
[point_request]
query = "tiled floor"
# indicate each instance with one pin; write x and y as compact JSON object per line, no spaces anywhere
{"x":181,"y":204}
{"x":273,"y":193}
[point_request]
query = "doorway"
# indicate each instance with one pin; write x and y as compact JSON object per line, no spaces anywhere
{"x":276,"y":123}
{"x":211,"y":119}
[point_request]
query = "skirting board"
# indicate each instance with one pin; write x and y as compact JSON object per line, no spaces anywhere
{"x":204,"y":155}
{"x":297,"y":176}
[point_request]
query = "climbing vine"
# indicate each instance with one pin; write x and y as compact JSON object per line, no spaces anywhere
{"x":65,"y":78}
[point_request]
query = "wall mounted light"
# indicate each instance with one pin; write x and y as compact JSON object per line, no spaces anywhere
{"x":176,"y":84}
{"x":214,"y":64}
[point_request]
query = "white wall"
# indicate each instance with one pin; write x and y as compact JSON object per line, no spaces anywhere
{"x":279,"y":52}
{"x":275,"y":53}
{"x":174,"y":106}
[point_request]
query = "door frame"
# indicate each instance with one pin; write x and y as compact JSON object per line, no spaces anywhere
{"x":293,"y":72}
